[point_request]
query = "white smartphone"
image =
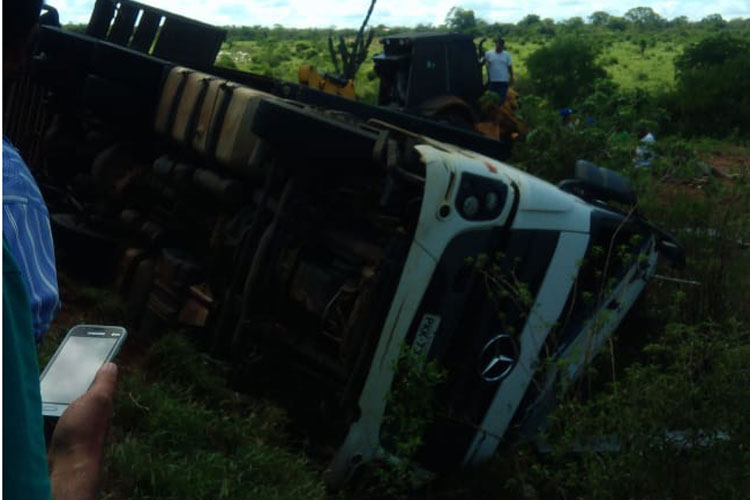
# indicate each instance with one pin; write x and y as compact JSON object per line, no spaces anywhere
{"x":71,"y":371}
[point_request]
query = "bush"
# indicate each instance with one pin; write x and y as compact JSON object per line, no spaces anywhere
{"x":76,"y":28}
{"x":603,"y":130}
{"x":551,"y":149}
{"x":712,"y":225}
{"x":709,"y":52}
{"x":225,"y":61}
{"x":618,"y":24}
{"x":274,"y":60}
{"x":564,"y":70}
{"x":712,"y":96}
{"x":677,"y":421}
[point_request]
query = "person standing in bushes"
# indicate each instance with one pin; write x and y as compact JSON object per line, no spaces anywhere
{"x":499,"y":69}
{"x":644,"y":153}
{"x":567,"y":115}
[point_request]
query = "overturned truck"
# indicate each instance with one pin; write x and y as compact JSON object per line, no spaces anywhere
{"x":323,"y":235}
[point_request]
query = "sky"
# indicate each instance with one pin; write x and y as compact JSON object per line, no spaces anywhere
{"x":350,"y":13}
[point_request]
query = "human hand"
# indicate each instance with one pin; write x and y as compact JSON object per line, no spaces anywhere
{"x":77,"y":447}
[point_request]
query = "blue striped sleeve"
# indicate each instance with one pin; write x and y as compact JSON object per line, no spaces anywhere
{"x":29,"y":237}
{"x":26,"y":227}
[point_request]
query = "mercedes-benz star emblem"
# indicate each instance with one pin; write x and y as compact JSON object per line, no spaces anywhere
{"x":498,"y":358}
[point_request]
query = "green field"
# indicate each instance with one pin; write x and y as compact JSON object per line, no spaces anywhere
{"x":653,"y":70}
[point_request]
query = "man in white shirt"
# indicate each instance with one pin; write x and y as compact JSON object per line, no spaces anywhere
{"x":499,"y":69}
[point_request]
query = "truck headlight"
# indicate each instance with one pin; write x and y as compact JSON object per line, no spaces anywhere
{"x":480,"y":198}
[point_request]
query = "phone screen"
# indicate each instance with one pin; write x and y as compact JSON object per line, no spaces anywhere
{"x":74,"y":368}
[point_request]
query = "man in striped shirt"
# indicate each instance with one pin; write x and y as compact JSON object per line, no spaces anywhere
{"x":70,"y":469}
{"x":26,"y":228}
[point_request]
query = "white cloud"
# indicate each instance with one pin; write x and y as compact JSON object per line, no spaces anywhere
{"x":324,"y":13}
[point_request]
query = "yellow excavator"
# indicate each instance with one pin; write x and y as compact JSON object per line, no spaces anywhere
{"x":500,"y":120}
{"x":435,"y":75}
{"x":331,"y":84}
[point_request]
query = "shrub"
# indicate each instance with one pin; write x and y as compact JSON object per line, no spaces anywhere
{"x":551,"y":149}
{"x":618,"y":24}
{"x":225,"y":61}
{"x":603,"y":130}
{"x":411,"y":410}
{"x":712,"y":96}
{"x":274,"y":60}
{"x":712,"y":225}
{"x":564,"y":70}
{"x":712,"y":51}
{"x":674,"y":424}
{"x":76,"y":28}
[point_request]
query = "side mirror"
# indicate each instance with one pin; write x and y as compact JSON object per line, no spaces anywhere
{"x":604,"y":183}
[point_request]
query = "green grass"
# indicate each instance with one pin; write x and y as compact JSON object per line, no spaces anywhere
{"x":655,"y":64}
{"x":623,"y":61}
{"x":179,"y":432}
{"x":170,"y":443}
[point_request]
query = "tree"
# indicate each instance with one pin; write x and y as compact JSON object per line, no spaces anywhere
{"x":711,"y":51}
{"x":712,"y":94}
{"x":500,"y":29}
{"x":564,"y":70}
{"x":422,"y":27}
{"x":547,"y":27}
{"x":77,"y":28}
{"x":599,"y":18}
{"x":714,"y":21}
{"x":461,"y":20}
{"x":529,"y":21}
{"x":617,"y":24}
{"x":644,"y":17}
{"x":574,"y":23}
{"x":679,"y":21}
{"x":738,"y":23}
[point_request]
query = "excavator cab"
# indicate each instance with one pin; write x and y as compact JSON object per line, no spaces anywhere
{"x":436,"y":75}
